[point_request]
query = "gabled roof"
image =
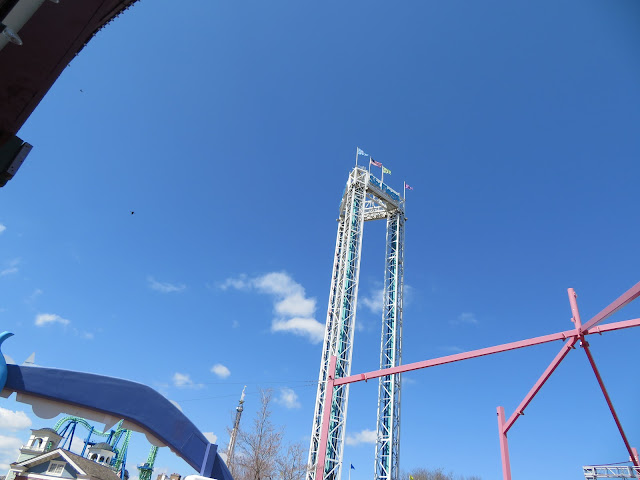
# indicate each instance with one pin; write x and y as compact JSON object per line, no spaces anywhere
{"x":82,"y":465}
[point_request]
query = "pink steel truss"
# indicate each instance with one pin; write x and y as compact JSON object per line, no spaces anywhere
{"x":570,"y":337}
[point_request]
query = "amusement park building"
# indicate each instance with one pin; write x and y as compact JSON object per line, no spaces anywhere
{"x":41,"y":459}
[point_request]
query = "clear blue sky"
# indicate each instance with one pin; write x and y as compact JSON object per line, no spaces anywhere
{"x":230,"y":128}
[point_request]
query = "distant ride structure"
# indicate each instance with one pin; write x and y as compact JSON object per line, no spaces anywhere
{"x":234,"y":432}
{"x":66,"y":428}
{"x":365,"y":198}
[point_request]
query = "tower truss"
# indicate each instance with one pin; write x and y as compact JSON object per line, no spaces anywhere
{"x":365,"y":198}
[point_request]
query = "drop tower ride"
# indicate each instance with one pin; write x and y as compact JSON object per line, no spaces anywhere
{"x":365,"y":198}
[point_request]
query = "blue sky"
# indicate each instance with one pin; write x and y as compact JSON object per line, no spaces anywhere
{"x":229,"y":128}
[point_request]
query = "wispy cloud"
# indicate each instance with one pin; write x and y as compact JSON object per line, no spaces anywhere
{"x":288,"y":398}
{"x":212,"y":437}
{"x":164,"y":287}
{"x":2,"y":228}
{"x":33,"y":297}
{"x":183,"y":380}
{"x":465,"y":318}
{"x":451,"y":349}
{"x":220,"y":370}
{"x":239,"y":283}
{"x":294,"y":311}
{"x":365,"y":436}
{"x":47,"y":318}
{"x":12,"y":267}
{"x":13,"y":421}
{"x":374,"y":300}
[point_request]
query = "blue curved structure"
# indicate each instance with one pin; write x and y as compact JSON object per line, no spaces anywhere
{"x":3,"y":363}
{"x":136,"y":403}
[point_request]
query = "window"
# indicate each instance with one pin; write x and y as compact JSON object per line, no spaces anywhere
{"x":55,"y":468}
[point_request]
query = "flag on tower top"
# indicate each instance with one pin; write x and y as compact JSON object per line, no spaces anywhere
{"x":406,"y":185}
{"x":352,"y":467}
{"x":361,"y":152}
{"x":385,"y":170}
{"x":373,"y":162}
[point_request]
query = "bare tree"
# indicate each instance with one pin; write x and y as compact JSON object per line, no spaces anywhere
{"x":433,"y":474}
{"x":259,"y":447}
{"x":291,"y":465}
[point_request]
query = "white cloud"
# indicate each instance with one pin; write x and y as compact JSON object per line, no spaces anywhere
{"x":296,"y":305}
{"x":164,"y":287}
{"x":365,"y":436}
{"x":465,"y":318}
{"x":183,"y":380}
{"x":220,"y":370}
{"x":304,"y":327}
{"x":294,"y":311}
{"x":288,"y":398}
{"x":12,"y":267}
{"x":2,"y":228}
{"x":45,"y":318}
{"x":13,"y":421}
{"x":213,"y":438}
{"x":278,"y":283}
{"x":374,"y":301}
{"x":9,"y":450}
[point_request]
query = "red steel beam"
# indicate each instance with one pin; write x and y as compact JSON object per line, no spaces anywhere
{"x":633,"y":457}
{"x":617,"y":304}
{"x":505,"y":347}
{"x":326,"y":417}
{"x":541,"y":381}
{"x":504,"y":446}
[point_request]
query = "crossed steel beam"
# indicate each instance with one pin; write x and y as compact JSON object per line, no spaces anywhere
{"x":570,"y":337}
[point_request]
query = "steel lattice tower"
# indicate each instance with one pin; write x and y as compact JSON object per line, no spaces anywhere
{"x":365,"y":198}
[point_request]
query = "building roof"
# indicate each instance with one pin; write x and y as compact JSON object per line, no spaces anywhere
{"x":45,"y":429}
{"x":101,"y":446}
{"x":82,"y":465}
{"x":93,"y":469}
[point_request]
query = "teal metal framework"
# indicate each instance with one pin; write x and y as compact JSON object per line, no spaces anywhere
{"x":365,"y":198}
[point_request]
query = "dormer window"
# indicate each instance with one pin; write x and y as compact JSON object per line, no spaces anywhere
{"x":55,"y":468}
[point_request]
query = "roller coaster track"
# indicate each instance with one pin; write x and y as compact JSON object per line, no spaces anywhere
{"x":114,"y":435}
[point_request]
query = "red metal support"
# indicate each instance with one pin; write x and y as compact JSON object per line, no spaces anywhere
{"x":574,"y":310}
{"x":504,"y":445}
{"x":326,"y":417}
{"x":591,"y":327}
{"x":541,"y":381}
{"x":624,"y":299}
{"x":634,"y":458}
{"x":505,"y":347}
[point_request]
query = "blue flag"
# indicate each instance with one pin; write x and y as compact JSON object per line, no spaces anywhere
{"x":352,"y":467}
{"x":361,"y":152}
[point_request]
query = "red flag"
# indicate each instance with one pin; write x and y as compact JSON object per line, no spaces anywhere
{"x":406,"y":185}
